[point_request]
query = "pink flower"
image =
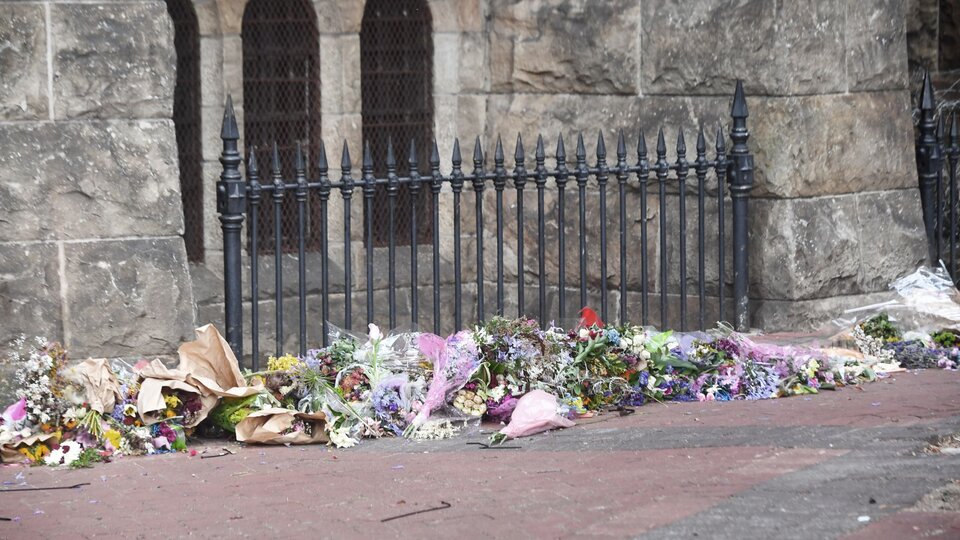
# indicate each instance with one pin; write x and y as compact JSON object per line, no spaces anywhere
{"x":15,"y":413}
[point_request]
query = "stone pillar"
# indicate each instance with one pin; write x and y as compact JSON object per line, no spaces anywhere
{"x":90,"y":246}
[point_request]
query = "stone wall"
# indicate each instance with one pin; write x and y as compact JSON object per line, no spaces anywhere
{"x":90,"y":247}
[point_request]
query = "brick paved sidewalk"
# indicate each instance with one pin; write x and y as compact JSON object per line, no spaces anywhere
{"x":802,"y":467}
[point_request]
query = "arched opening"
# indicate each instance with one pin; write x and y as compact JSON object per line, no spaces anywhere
{"x":396,"y":84}
{"x":281,"y":102}
{"x":186,"y":121}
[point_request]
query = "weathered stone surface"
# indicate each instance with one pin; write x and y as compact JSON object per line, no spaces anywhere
{"x":473,"y":62}
{"x":804,"y":248}
{"x":777,"y":48}
{"x":88,"y":180}
{"x":807,"y":315}
{"x":922,"y":18}
{"x":530,"y":114}
{"x":949,"y":52}
{"x":825,"y":145}
{"x":23,"y":62}
{"x":113,"y":60}
{"x":892,"y":239}
{"x":566,"y":46}
{"x":875,"y":41}
{"x":29,"y":292}
{"x":128,"y":297}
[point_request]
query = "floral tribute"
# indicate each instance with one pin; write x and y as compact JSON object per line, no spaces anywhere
{"x":423,"y":386}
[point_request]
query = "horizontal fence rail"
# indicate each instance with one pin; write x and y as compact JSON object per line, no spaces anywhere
{"x":621,"y":174}
{"x":937,"y":157}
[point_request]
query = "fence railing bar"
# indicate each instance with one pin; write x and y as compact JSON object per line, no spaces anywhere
{"x":478,"y":186}
{"x":346,"y":192}
{"x":953,"y":154}
{"x":541,"y":181}
{"x":741,"y":182}
{"x":663,"y":169}
{"x":561,"y":175}
{"x":643,"y":174}
{"x":520,"y":180}
{"x":278,"y":191}
{"x":253,"y":177}
{"x":393,"y":190}
{"x":322,"y":167}
{"x":622,"y":177}
{"x":721,"y":167}
{"x":415,"y":184}
{"x":582,"y":178}
{"x":499,"y":184}
{"x":436,"y":184}
{"x":938,"y":211}
{"x":369,"y":190}
{"x":701,"y":168}
{"x":602,"y":176}
{"x":301,"y":198}
{"x":456,"y":183}
{"x":682,"y":171}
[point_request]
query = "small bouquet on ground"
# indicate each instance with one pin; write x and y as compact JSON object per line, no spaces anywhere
{"x":536,"y":411}
{"x":455,"y":360}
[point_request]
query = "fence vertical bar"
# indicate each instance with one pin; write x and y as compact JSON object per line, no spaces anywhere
{"x":741,"y":182}
{"x":231,"y":203}
{"x":499,"y":183}
{"x":561,"y":176}
{"x":369,"y":190}
{"x":602,"y":176}
{"x":301,"y":197}
{"x":701,"y":168}
{"x":622,"y":177}
{"x":519,"y":181}
{"x":436,"y":183}
{"x":346,"y":192}
{"x":928,"y":162}
{"x":663,"y":169}
{"x":582,"y":177}
{"x":953,"y":154}
{"x":644,"y":178}
{"x":393,"y":189}
{"x":541,"y":181}
{"x":253,"y":177}
{"x":683,"y":168}
{"x":278,"y":189}
{"x":322,"y":168}
{"x":456,"y":184}
{"x":478,"y":185}
{"x":938,"y":212}
{"x":414,"y":216}
{"x":721,"y":169}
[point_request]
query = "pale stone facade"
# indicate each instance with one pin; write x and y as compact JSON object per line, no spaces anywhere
{"x":89,"y":197}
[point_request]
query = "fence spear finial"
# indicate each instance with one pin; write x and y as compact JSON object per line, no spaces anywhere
{"x":498,"y":152}
{"x":298,"y":159}
{"x":539,"y":153}
{"x":435,"y":155}
{"x":721,"y":140}
{"x":701,"y":142}
{"x":518,"y":155}
{"x":561,"y":151}
{"x":229,"y":129}
{"x":581,"y":150}
{"x":661,"y":144}
{"x":477,"y":152}
{"x":739,"y":109}
{"x":345,"y":158}
{"x":391,"y":157}
{"x":253,"y":168}
{"x":412,"y":158}
{"x":275,"y":164}
{"x":642,"y":146}
{"x":681,"y":143}
{"x":367,"y":156}
{"x":928,"y":100}
{"x":457,"y":158}
{"x":621,"y":146}
{"x":601,"y":146}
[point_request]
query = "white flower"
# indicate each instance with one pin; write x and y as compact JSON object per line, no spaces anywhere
{"x":341,"y":438}
{"x":54,"y":457}
{"x":584,"y":333}
{"x":497,"y":393}
{"x":375,"y":333}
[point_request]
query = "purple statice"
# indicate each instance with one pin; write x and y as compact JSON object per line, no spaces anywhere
{"x":728,"y":347}
{"x":633,"y":398}
{"x":388,"y":406}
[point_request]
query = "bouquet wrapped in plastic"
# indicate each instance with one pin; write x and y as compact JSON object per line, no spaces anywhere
{"x":454,"y":360}
{"x":536,"y":411}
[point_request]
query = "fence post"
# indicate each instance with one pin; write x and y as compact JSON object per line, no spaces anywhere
{"x":928,"y":163}
{"x":741,"y":182}
{"x":231,"y":203}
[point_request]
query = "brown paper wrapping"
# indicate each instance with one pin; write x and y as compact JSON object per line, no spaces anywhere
{"x":9,"y":452}
{"x":100,"y":387}
{"x":156,"y":377}
{"x":266,"y":426}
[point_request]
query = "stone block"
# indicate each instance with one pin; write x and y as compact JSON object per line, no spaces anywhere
{"x":777,"y":48}
{"x":892,"y":238}
{"x":826,"y":145}
{"x":89,"y":180}
{"x":446,"y":63}
{"x":807,"y":315}
{"x":876,"y":45}
{"x":23,"y":61}
{"x":566,"y":46}
{"x":127,"y":297}
{"x":549,"y":115}
{"x":113,"y":60}
{"x":804,"y":248}
{"x":922,"y":17}
{"x":473,"y":63}
{"x":350,"y":55}
{"x":331,"y":82}
{"x":29,"y":292}
{"x":211,"y":75}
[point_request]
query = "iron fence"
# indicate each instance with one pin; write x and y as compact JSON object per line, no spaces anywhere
{"x":937,"y":157}
{"x":240,"y":201}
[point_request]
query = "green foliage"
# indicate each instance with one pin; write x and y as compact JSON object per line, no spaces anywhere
{"x":87,"y":458}
{"x":946,"y":338}
{"x":880,"y":327}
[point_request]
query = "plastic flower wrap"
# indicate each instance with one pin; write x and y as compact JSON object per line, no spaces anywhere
{"x":454,"y":360}
{"x":536,"y":411}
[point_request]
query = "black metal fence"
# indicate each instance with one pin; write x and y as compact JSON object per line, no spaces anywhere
{"x":937,"y":158}
{"x":239,"y":200}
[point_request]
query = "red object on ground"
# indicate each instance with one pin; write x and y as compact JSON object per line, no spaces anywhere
{"x":588,"y":318}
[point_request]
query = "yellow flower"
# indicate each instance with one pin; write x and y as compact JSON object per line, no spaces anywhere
{"x":114,"y":437}
{"x":284,"y":363}
{"x":171,"y":401}
{"x":170,"y":414}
